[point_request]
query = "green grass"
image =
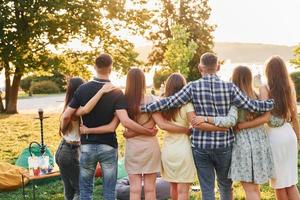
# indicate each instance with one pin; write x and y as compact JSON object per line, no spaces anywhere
{"x":17,"y":131}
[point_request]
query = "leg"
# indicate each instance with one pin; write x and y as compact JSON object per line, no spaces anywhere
{"x":222,"y":161}
{"x":293,"y":193}
{"x":206,"y":173}
{"x":65,"y":161}
{"x":251,"y":190}
{"x":88,"y":163}
{"x":183,"y":191}
{"x":281,"y":194}
{"x":173,"y":191}
{"x":135,"y":181}
{"x":108,"y":157}
{"x":150,"y":186}
{"x":74,"y":176}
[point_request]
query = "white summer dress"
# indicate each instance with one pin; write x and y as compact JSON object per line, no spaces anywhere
{"x":284,"y":146}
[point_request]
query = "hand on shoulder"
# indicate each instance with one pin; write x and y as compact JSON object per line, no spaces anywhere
{"x":108,"y":87}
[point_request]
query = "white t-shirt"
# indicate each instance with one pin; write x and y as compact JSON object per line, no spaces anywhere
{"x":73,"y":132}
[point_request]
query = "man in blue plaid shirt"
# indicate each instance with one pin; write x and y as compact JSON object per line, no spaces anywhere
{"x":211,"y":97}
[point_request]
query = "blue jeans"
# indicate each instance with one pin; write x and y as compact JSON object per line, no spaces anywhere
{"x":211,"y":162}
{"x":107,"y":156}
{"x":67,"y":159}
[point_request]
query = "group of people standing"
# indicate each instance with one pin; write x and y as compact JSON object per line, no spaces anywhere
{"x":212,"y":128}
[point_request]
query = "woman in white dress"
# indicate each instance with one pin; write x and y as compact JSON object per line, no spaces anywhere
{"x":283,"y":128}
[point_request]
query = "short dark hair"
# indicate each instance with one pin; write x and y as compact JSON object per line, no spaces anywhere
{"x":103,"y":61}
{"x":209,"y":60}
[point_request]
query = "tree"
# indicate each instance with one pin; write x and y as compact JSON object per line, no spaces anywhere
{"x":193,"y":15}
{"x":179,"y":50}
{"x":296,"y":79}
{"x":296,"y":59}
{"x":29,"y":29}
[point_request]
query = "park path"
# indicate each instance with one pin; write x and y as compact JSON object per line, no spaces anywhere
{"x":49,"y":103}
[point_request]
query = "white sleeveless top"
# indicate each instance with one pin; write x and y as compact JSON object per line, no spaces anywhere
{"x":73,"y":132}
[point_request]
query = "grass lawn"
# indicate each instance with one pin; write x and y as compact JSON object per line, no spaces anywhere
{"x":17,"y":131}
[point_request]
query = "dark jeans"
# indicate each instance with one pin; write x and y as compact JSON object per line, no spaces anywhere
{"x":211,"y":162}
{"x":67,"y":159}
{"x":107,"y":156}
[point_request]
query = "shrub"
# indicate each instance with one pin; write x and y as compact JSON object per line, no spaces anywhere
{"x":25,"y":84}
{"x":58,"y":78}
{"x":44,"y":87}
{"x":296,"y":79}
{"x":160,"y":77}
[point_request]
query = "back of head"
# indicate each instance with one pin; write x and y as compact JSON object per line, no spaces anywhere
{"x":242,"y":77}
{"x":103,"y":64}
{"x":209,"y":61}
{"x":174,"y":84}
{"x":134,"y":91}
{"x":281,"y":87}
{"x":73,"y":85}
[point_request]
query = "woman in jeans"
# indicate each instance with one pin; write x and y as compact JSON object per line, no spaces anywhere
{"x":67,"y":155}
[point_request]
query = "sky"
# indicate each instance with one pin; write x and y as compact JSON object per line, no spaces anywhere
{"x":257,"y":21}
{"x":252,"y":21}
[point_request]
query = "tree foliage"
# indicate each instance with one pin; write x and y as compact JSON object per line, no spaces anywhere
{"x":179,"y":50}
{"x":29,"y":28}
{"x":193,"y":15}
{"x":296,"y":79}
{"x":296,"y":59}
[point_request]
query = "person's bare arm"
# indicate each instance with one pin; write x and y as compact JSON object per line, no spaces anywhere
{"x":168,"y":126}
{"x":204,"y":126}
{"x":111,"y":127}
{"x":108,"y":87}
{"x":294,"y":118}
{"x":66,"y":118}
{"x":130,"y":124}
{"x":255,"y":122}
{"x":263,"y":95}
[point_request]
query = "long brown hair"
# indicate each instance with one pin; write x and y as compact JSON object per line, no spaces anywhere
{"x":242,"y":77}
{"x":174,"y":84}
{"x":280,"y":86}
{"x":73,"y":85}
{"x":135,"y":91}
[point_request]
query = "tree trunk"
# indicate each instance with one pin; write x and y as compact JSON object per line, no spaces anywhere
{"x":13,"y":94}
{"x":7,"y":82}
{"x":1,"y":104}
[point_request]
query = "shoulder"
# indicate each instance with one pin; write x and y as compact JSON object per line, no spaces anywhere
{"x":84,"y":86}
{"x":189,"y":107}
{"x":150,"y":98}
{"x":264,"y":92}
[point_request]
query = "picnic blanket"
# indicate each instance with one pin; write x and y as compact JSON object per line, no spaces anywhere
{"x":11,"y":176}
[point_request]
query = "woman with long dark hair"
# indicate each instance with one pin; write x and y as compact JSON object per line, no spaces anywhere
{"x":67,"y":154}
{"x":283,"y":128}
